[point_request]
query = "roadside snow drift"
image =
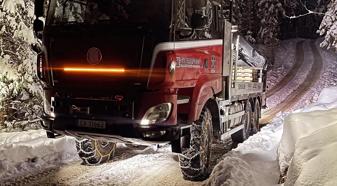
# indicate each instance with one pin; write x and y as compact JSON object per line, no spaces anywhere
{"x":305,"y":122}
{"x":309,"y":143}
{"x":31,"y":151}
{"x":326,"y":100}
{"x":301,"y":125}
{"x":315,"y":161}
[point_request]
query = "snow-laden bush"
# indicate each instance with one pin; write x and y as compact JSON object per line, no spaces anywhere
{"x":328,"y":26}
{"x":19,"y":93}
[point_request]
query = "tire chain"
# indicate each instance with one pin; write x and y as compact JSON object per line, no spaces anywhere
{"x":185,"y":159}
{"x":90,"y":153}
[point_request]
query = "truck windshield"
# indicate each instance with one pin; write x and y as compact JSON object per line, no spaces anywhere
{"x":111,"y":11}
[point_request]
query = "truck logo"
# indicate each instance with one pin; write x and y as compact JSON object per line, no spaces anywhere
{"x":94,"y":56}
{"x":187,"y":62}
{"x":119,"y":97}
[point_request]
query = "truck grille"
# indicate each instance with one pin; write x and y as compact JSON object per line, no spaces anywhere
{"x":90,"y":107}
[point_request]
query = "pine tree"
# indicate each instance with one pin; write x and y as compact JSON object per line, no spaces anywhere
{"x":20,"y":100}
{"x":269,"y":12}
{"x":244,"y":15}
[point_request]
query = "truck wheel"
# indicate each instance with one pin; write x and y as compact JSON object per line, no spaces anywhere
{"x":195,"y":161}
{"x":95,"y":152}
{"x":248,"y":128}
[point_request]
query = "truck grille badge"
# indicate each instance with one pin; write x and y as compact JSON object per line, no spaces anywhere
{"x":94,"y":56}
{"x":119,"y":97}
{"x":79,"y":110}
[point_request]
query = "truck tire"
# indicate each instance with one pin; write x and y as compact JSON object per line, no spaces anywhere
{"x":195,"y":161}
{"x":95,"y":152}
{"x":249,"y":123}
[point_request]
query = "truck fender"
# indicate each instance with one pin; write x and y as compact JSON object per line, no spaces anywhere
{"x":205,"y":90}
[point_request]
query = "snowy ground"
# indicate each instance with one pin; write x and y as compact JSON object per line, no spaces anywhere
{"x":286,"y":50}
{"x":31,"y":159}
{"x":38,"y":162}
{"x":22,"y":152}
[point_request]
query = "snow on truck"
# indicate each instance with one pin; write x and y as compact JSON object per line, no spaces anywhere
{"x":147,"y":71}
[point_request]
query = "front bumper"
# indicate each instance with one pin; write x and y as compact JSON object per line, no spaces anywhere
{"x":121,"y":129}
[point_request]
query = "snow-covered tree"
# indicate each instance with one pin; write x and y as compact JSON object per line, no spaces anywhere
{"x":20,"y":100}
{"x":244,"y":15}
{"x":328,"y":26}
{"x":290,"y":6}
{"x":269,"y":12}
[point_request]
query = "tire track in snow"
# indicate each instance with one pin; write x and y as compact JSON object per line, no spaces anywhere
{"x":143,"y":167}
{"x":166,"y":174}
{"x":292,"y":73}
{"x":312,"y":77}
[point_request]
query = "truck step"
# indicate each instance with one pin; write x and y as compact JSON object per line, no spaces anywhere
{"x":228,"y":134}
{"x":183,"y":100}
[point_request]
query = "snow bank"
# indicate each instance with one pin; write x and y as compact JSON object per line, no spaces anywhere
{"x":309,"y":138}
{"x":305,"y":122}
{"x":300,"y":125}
{"x":326,"y":100}
{"x":315,"y":160}
{"x":253,"y":162}
{"x":23,"y":153}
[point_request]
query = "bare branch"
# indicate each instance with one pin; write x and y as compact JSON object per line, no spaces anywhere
{"x":309,"y":12}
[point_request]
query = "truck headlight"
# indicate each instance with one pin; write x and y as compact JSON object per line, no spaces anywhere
{"x":157,"y":114}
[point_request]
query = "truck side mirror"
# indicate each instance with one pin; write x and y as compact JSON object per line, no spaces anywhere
{"x":39,"y":8}
{"x":36,"y":47}
{"x":38,"y":27}
{"x":38,"y":24}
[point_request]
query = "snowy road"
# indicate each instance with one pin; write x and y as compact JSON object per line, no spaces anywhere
{"x":134,"y":166}
{"x":311,"y":78}
{"x":293,"y":71}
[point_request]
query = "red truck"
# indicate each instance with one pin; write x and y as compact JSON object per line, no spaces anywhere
{"x":137,"y":71}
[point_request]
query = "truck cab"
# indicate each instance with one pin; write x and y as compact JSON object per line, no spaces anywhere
{"x":145,"y":71}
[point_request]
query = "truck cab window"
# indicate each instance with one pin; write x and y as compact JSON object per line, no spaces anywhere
{"x":196,"y":20}
{"x":110,"y":11}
